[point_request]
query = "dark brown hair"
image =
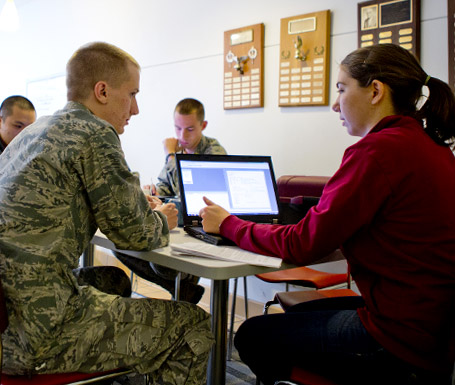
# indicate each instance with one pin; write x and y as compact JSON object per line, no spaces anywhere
{"x":400,"y":70}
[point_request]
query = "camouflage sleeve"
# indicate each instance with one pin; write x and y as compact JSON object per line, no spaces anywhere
{"x":119,"y":205}
{"x":167,"y":180}
{"x":215,"y":148}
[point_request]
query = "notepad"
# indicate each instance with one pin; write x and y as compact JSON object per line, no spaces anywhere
{"x":232,"y":254}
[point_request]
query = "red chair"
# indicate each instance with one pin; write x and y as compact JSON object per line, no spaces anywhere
{"x":48,"y":379}
{"x":63,"y":378}
{"x":301,"y":376}
{"x":305,"y":277}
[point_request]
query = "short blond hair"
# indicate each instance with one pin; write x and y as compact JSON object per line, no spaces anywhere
{"x":96,"y":62}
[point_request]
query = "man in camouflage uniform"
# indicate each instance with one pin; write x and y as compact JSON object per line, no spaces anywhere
{"x":189,"y":122}
{"x":60,"y":180}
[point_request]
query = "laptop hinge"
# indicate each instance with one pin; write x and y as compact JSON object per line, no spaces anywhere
{"x":275,"y":221}
{"x":195,"y":223}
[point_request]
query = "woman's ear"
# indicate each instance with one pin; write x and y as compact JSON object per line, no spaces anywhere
{"x":101,"y":91}
{"x":379,"y":91}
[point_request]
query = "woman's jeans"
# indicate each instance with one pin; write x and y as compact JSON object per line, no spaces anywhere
{"x":326,"y":337}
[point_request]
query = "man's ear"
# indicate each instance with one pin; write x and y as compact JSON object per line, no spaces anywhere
{"x":204,"y":124}
{"x":379,"y":90}
{"x":101,"y":91}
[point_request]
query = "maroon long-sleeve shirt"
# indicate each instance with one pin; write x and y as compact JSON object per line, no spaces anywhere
{"x":391,"y":208}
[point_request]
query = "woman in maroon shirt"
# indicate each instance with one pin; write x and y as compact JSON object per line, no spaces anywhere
{"x":390,"y":209}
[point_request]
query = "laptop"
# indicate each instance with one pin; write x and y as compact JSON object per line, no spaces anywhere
{"x":243,"y":184}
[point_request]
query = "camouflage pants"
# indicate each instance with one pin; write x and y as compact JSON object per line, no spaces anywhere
{"x":169,"y":340}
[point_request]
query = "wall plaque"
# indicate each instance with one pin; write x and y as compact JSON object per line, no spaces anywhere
{"x":244,"y":67}
{"x":305,"y":60}
{"x":385,"y":21}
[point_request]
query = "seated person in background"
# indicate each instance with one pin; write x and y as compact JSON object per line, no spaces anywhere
{"x":390,"y":208}
{"x":189,"y":123}
{"x":16,"y":113}
{"x":60,"y":180}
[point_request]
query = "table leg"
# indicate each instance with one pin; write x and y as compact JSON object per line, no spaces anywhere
{"x":178,"y":279}
{"x":88,"y":255}
{"x":219,"y":309}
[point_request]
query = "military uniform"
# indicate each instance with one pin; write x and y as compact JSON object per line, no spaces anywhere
{"x":168,"y":183}
{"x":60,"y":180}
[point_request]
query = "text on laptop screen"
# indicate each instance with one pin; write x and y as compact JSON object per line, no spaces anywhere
{"x":239,"y":187}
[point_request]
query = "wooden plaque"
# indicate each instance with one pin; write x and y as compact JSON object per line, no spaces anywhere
{"x":385,"y":21}
{"x":244,"y":67}
{"x":305,"y":60}
{"x":451,"y":24}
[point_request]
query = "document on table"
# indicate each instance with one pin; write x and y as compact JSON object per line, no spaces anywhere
{"x":224,"y":253}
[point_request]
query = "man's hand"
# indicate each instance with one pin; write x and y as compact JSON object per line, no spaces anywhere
{"x":171,"y":213}
{"x":212,"y":216}
{"x":171,"y":145}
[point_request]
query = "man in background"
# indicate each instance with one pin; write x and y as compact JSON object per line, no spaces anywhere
{"x":189,"y":122}
{"x":16,"y":113}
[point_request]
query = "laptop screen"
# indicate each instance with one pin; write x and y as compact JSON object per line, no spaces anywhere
{"x":244,"y":185}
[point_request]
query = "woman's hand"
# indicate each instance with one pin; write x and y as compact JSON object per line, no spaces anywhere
{"x":212,"y":216}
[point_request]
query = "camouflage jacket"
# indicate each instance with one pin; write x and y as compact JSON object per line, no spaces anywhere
{"x":168,"y":184}
{"x":60,"y":180}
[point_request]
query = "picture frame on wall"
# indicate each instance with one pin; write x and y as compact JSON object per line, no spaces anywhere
{"x":369,"y":17}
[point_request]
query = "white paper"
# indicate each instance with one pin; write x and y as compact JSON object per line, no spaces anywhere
{"x":224,"y":253}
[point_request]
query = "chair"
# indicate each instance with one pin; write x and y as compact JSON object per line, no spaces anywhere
{"x":49,"y":379}
{"x":63,"y":378}
{"x":287,"y":299}
{"x":306,"y":277}
{"x":301,"y":376}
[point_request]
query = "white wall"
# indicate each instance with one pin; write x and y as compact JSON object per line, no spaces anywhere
{"x":179,"y":45}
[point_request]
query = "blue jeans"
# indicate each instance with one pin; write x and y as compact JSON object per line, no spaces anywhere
{"x":326,"y":337}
